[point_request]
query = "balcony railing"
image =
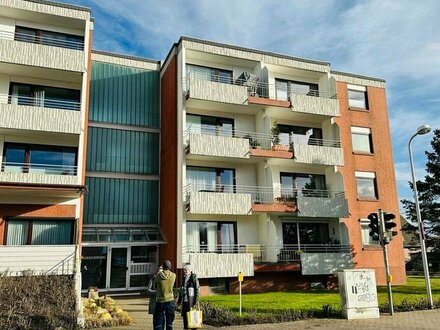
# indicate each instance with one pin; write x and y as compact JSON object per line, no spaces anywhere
{"x":48,"y":169}
{"x":260,"y":195}
{"x":259,"y":140}
{"x":268,"y":252}
{"x":49,"y":41}
{"x":41,"y":102}
{"x":255,"y":87}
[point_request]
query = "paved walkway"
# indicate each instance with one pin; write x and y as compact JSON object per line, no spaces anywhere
{"x":430,"y":320}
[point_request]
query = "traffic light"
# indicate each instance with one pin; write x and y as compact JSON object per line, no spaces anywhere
{"x":374,"y":226}
{"x":389,"y":225}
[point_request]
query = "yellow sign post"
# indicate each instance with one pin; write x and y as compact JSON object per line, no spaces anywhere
{"x":240,"y":279}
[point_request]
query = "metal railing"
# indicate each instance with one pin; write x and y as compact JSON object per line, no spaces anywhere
{"x":268,"y":252}
{"x":259,"y":140}
{"x":38,"y":168}
{"x":40,"y":102}
{"x":260,"y":195}
{"x":257,"y":88}
{"x":48,"y":41}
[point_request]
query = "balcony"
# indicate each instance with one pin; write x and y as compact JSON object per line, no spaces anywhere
{"x":38,"y":173}
{"x":41,"y":115}
{"x":316,"y":259}
{"x":37,"y":51}
{"x":245,"y":200}
{"x":213,"y":88}
{"x":47,"y":259}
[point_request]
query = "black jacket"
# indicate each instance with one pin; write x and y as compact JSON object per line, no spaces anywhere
{"x":193,"y":283}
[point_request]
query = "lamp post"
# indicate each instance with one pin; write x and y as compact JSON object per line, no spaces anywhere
{"x":424,"y":129}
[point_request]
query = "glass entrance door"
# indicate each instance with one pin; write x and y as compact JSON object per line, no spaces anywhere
{"x":118,"y":268}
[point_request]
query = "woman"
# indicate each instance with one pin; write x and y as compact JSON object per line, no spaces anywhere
{"x":189,"y":293}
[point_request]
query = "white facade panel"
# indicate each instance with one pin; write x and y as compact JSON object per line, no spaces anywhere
{"x":220,"y":203}
{"x":39,"y":178}
{"x":331,"y":207}
{"x":48,"y":259}
{"x":213,"y":265}
{"x":314,"y":105}
{"x":25,"y":117}
{"x":310,"y":154}
{"x":221,"y":146}
{"x":18,"y":52}
{"x":218,"y":92}
{"x":325,"y":263}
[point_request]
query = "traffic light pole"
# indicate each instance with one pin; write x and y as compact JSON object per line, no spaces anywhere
{"x":385,"y":257}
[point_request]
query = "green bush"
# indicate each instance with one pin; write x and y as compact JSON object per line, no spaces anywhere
{"x":45,"y":302}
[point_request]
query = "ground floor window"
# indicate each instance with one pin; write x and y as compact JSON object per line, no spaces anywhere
{"x":211,"y":236}
{"x":39,"y":232}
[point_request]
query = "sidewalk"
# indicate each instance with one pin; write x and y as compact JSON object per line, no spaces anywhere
{"x":137,"y":307}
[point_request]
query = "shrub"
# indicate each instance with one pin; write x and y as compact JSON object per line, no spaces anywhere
{"x":44,"y":302}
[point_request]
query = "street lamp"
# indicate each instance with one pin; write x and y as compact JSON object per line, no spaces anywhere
{"x":424,"y":129}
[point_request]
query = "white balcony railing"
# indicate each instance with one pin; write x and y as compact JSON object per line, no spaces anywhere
{"x":44,"y":40}
{"x":268,"y":252}
{"x":259,"y":140}
{"x":39,"y":102}
{"x":254,"y":86}
{"x":38,"y":168}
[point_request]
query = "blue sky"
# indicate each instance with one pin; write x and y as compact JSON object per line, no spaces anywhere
{"x":397,"y":40}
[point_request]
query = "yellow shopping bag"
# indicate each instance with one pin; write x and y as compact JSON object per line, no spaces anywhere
{"x":194,"y":318}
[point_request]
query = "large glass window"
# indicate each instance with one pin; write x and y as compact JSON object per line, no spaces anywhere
{"x":300,"y":135}
{"x":285,"y":87}
{"x":44,"y":96}
{"x":49,"y":38}
{"x":357,"y":97}
{"x":366,"y":185}
{"x":294,"y":184}
{"x":210,"y":179}
{"x":210,"y":125}
{"x":39,"y":232}
{"x":361,"y":140}
{"x":32,"y":158}
{"x":211,"y":236}
{"x":94,"y":267}
{"x":209,"y":74}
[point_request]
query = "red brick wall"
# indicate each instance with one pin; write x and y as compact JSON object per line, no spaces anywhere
{"x":168,"y":168}
{"x":381,"y":163}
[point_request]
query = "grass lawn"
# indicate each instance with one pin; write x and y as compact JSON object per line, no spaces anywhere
{"x":413,"y":291}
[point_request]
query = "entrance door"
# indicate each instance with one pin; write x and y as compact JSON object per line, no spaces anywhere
{"x":118,"y":268}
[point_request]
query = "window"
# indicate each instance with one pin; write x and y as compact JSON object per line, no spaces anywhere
{"x":361,"y":140}
{"x":366,"y":185}
{"x":49,"y":38}
{"x":305,"y":233}
{"x":365,"y":233}
{"x":39,"y":232}
{"x":285,"y":87}
{"x":210,"y":125}
{"x":210,"y":74}
{"x":210,"y":179}
{"x":44,"y":96}
{"x":32,"y":158}
{"x":211,"y":236}
{"x":300,"y":135}
{"x":293,"y":184}
{"x":357,"y":97}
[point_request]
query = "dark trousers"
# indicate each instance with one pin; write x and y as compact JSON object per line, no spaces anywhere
{"x":185,"y":309}
{"x":164,"y":312}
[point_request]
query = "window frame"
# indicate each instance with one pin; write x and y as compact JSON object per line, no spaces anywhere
{"x":69,"y":41}
{"x":218,"y":171}
{"x":219,"y":121}
{"x":357,"y":90}
{"x":30,"y":223}
{"x":313,"y":88}
{"x":362,"y":131}
{"x":370,"y":176}
{"x":218,"y":232}
{"x":216,"y":73}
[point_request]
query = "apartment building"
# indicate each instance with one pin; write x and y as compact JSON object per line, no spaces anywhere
{"x":270,"y":165}
{"x":44,"y":66}
{"x":121,"y":235}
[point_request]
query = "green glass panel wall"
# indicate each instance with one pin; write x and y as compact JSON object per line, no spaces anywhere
{"x":120,"y":151}
{"x":123,"y":95}
{"x":121,"y":201}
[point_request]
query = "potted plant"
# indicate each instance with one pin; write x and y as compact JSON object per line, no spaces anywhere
{"x":275,"y":138}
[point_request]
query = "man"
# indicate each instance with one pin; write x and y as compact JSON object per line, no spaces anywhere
{"x":164,"y":298}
